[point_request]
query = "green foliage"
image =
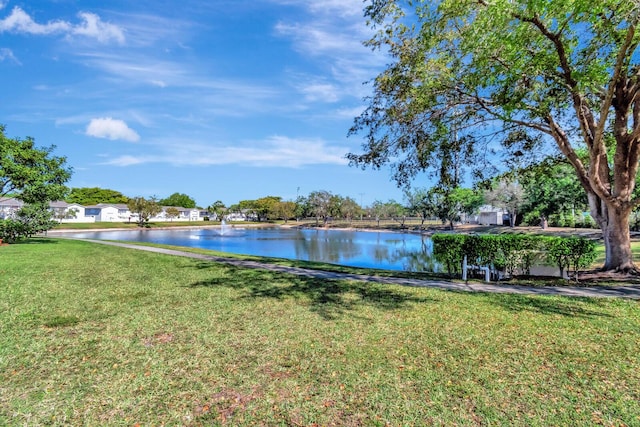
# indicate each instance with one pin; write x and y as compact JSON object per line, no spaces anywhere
{"x":30,"y":220}
{"x":34,"y":176}
{"x":571,"y":253}
{"x":349,"y":208}
{"x":320,"y":205}
{"x":552,"y":188}
{"x":88,"y":196}
{"x":285,"y":210}
{"x":29,"y":173}
{"x":512,"y":252}
{"x":172,"y":212}
{"x":11,"y":230}
{"x":448,"y":250}
{"x":218,"y":209}
{"x":541,"y":76}
{"x":145,"y":209}
{"x":156,"y":340}
{"x":178,"y":200}
{"x":264,"y":208}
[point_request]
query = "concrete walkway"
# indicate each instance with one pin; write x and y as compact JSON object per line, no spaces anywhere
{"x":629,"y":291}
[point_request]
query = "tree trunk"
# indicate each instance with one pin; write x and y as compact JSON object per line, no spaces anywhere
{"x":614,"y":224}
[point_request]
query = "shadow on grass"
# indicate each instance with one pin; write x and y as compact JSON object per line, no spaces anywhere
{"x":569,"y":307}
{"x":35,"y":241}
{"x":330,"y":299}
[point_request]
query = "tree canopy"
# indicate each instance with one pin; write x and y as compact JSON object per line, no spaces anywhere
{"x":29,"y":173}
{"x":512,"y":76}
{"x":87,"y":196}
{"x":180,"y":200}
{"x":144,"y":208}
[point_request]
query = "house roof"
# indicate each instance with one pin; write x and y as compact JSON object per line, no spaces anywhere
{"x":108,"y":205}
{"x":11,"y":202}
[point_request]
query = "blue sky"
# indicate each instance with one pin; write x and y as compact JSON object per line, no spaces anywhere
{"x":219,"y":99}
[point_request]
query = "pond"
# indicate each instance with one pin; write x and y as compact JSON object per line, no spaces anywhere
{"x":384,"y":250}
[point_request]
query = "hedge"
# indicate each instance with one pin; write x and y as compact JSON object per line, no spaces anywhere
{"x":512,"y":253}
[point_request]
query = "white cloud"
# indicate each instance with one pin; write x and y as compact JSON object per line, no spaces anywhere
{"x":275,"y":151}
{"x":331,"y":33}
{"x":323,"y":92}
{"x":111,"y":129}
{"x":20,"y":22}
{"x":91,"y":26}
{"x":8,"y":54}
{"x":128,"y":161}
{"x":2,"y":4}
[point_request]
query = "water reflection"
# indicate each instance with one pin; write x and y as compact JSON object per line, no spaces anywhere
{"x":327,"y":246}
{"x":389,"y":251}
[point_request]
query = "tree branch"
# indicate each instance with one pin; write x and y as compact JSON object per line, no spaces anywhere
{"x":615,"y":78}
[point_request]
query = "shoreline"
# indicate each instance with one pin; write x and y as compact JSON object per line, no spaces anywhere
{"x":427,"y":231}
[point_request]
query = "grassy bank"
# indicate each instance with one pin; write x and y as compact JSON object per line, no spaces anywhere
{"x":98,"y":335}
{"x":132,"y":225}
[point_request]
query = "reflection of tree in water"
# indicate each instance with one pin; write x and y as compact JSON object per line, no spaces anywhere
{"x":387,"y":249}
{"x":398,"y":251}
{"x":417,"y":261}
{"x":321,"y":246}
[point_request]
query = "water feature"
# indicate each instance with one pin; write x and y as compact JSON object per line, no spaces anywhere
{"x":224,"y":228}
{"x":384,"y":250}
{"x":389,"y":251}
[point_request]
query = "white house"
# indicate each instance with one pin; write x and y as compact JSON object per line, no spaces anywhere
{"x":69,"y":212}
{"x":105,"y":212}
{"x":490,"y":215}
{"x":8,"y":207}
{"x":102,"y":212}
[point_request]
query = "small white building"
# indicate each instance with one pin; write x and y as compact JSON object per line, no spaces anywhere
{"x":8,"y":207}
{"x":69,"y":212}
{"x":490,"y":215}
{"x":105,"y":212}
{"x":102,"y":212}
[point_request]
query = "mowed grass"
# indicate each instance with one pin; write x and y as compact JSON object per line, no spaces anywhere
{"x":98,"y":335}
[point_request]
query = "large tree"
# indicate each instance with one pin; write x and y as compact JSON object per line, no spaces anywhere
{"x":550,"y":71}
{"x":29,"y":173}
{"x":320,"y":205}
{"x":36,"y":177}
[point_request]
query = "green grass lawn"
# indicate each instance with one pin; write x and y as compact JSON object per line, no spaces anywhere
{"x":98,"y":335}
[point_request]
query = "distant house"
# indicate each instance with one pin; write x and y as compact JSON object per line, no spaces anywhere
{"x":8,"y":207}
{"x":102,"y":212}
{"x":490,"y":215}
{"x":105,"y":212}
{"x":68,"y":212}
{"x":240,"y":216}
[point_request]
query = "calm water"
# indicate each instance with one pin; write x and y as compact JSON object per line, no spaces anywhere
{"x":389,"y":251}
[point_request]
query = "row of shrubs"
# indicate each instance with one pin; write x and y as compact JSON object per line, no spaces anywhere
{"x":560,"y":220}
{"x":513,"y":253}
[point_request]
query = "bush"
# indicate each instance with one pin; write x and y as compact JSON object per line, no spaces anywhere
{"x":11,"y":230}
{"x":512,"y":252}
{"x":531,"y":218}
{"x":447,"y":248}
{"x":571,"y":253}
{"x":30,"y":220}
